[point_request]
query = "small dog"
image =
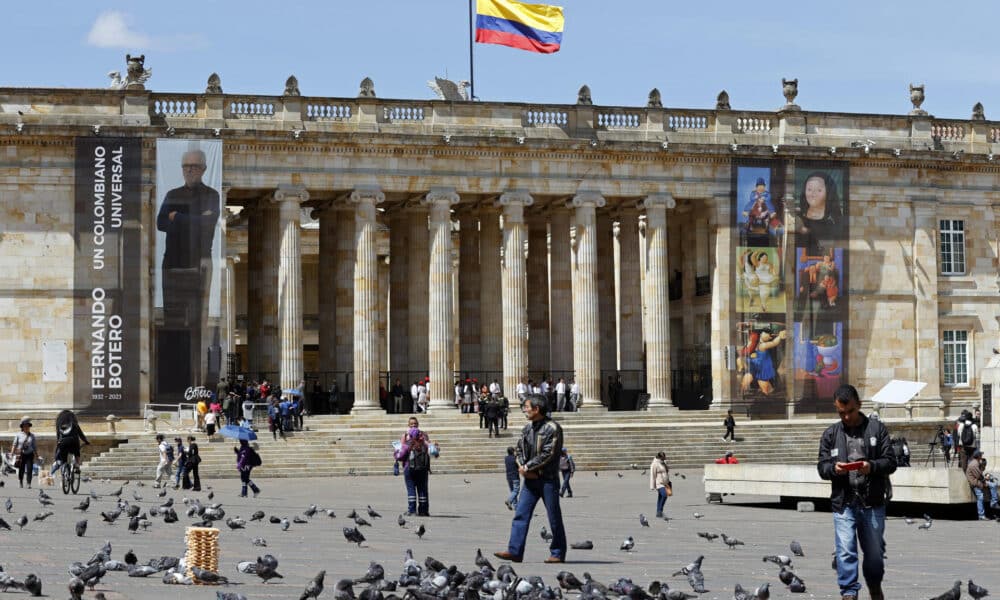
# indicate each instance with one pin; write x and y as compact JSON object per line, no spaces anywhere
{"x":46,"y":479}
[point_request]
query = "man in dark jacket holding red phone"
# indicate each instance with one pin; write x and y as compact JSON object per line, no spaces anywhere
{"x":855,"y":455}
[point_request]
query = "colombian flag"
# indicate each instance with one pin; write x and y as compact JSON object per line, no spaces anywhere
{"x":531,"y":27}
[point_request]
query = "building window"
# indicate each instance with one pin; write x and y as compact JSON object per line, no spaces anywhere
{"x":952,"y":247}
{"x":956,"y":357}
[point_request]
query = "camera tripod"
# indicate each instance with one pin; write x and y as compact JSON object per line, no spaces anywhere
{"x":932,"y":455}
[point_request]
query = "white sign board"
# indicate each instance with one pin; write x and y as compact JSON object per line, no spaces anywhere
{"x":54,"y":360}
{"x":898,"y":391}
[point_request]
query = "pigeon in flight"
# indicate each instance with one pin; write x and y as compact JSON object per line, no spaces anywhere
{"x":708,"y":535}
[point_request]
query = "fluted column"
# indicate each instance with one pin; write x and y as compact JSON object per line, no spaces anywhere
{"x":606,"y":310}
{"x":538,"y":288}
{"x":630,"y":306}
{"x":561,"y":293}
{"x":514,"y":290}
{"x":289,"y":200}
{"x":366,"y":299}
{"x":722,"y":308}
{"x":439,"y":333}
{"x":383,"y":315}
{"x":418,"y":255}
{"x":345,"y":216}
{"x":230,"y":281}
{"x":586,"y":325}
{"x":468,"y":294}
{"x":262,"y":288}
{"x":399,"y":305}
{"x":658,"y":326}
{"x":491,"y":332}
{"x":327,"y":286}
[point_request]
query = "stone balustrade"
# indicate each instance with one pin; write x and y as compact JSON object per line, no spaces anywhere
{"x":512,"y":123}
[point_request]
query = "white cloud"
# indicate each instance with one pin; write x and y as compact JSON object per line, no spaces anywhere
{"x":110,"y":30}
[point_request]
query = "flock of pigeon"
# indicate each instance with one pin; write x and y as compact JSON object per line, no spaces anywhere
{"x":429,"y":580}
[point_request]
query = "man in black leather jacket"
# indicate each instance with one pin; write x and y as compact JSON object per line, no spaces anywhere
{"x":537,"y":453}
{"x":855,"y":455}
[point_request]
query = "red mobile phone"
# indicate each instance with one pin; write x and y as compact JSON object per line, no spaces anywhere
{"x":853,"y":466}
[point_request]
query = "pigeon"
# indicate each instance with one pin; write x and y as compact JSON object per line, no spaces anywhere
{"x":401,"y":521}
{"x":977,"y":591}
{"x":698,"y":515}
{"x":309,"y":512}
{"x":133,"y":511}
{"x":421,"y":530}
{"x":92,"y":575}
{"x":694,"y":575}
{"x":315,"y":587}
{"x":741,"y":594}
{"x":361,"y":521}
{"x":110,"y":517}
{"x":786,"y":576}
{"x":259,"y":541}
{"x":763,"y":591}
{"x":211,"y":495}
{"x":266,"y":570}
{"x":342,"y":591}
{"x":177,"y":578}
{"x":545,"y":534}
{"x":168,"y":503}
{"x":731,"y":542}
{"x":926,"y":524}
{"x":131,"y":558}
{"x":955,"y":593}
{"x":374,"y":574}
{"x":208,"y":576}
{"x":643,"y":521}
{"x":9,"y":505}
{"x":908,"y":520}
{"x":162,"y":493}
{"x":708,"y":535}
{"x":353,"y":514}
{"x":372,"y":513}
{"x":628,"y":544}
{"x":796,"y":548}
{"x":76,"y":588}
{"x":81,"y":528}
{"x":257,"y":516}
{"x":46,"y":502}
{"x":42,"y":516}
{"x":330,"y":513}
{"x":220,"y":595}
{"x":434,"y":565}
{"x":141,"y":570}
{"x":781,"y":560}
{"x":93,"y":495}
{"x":584,"y":545}
{"x":32,"y":584}
{"x":299,"y":520}
{"x":669,"y":594}
{"x":351,"y":534}
{"x":285,"y":524}
{"x":568,"y":581}
{"x":796,"y":585}
{"x":22,"y":521}
{"x":117,"y":493}
{"x":136,"y":495}
{"x":43,"y":495}
{"x":133,"y":524}
{"x":274,"y":520}
{"x":236,"y":523}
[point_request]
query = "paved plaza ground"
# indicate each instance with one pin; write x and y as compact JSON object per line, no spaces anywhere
{"x":468,"y":513}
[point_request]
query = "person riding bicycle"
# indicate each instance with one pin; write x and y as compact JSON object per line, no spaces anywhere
{"x":68,"y":438}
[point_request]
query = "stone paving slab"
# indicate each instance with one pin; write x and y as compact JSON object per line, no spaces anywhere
{"x":468,"y":513}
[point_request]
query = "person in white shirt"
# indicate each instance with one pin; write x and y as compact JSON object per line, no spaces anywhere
{"x":544,"y":387}
{"x":163,"y":469}
{"x":561,"y":395}
{"x":522,"y":389}
{"x":574,"y":395}
{"x":422,"y":394}
{"x":415,"y":396}
{"x":495,"y":388}
{"x":458,"y":393}
{"x":535,"y":388}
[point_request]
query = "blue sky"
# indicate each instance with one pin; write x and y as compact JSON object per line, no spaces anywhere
{"x":849,"y":56}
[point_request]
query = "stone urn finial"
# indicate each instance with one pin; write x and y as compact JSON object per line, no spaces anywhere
{"x":367,"y":89}
{"x":722,"y":101}
{"x":214,"y":84}
{"x":917,"y":98}
{"x":136,"y":73}
{"x":292,"y":86}
{"x":978,"y":112}
{"x":790,"y":89}
{"x":654,"y":101}
{"x":583,"y":96}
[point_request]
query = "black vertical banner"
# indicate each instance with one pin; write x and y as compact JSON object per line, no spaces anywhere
{"x":107,"y":275}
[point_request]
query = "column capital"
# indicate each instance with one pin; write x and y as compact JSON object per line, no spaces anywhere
{"x":665,"y":200}
{"x":591,"y":198}
{"x":290,"y":193}
{"x":441,"y":195}
{"x":515,"y":198}
{"x":371,"y":194}
{"x":232,"y":259}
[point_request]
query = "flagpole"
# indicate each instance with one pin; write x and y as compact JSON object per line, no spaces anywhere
{"x":472,"y":69}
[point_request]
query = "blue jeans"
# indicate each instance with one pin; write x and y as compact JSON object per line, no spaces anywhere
{"x":515,"y":488}
{"x":546,"y":490}
{"x":417,"y":497}
{"x":661,"y":500}
{"x":992,"y":487}
{"x":858,"y":524}
{"x":566,"y":475}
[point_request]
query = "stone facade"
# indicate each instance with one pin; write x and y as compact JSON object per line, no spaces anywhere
{"x":571,"y":176}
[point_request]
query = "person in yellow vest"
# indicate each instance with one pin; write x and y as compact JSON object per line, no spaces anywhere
{"x":202,"y":408}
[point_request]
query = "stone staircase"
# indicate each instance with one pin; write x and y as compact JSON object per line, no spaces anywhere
{"x":598,"y":441}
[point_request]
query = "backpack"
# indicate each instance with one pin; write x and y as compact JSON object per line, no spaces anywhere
{"x":420,"y":458}
{"x":170,"y":453}
{"x":968,"y":435}
{"x":253,"y":459}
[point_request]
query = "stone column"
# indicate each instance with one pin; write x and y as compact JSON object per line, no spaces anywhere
{"x":399,"y":304}
{"x":468,"y":294}
{"x":327,"y":287}
{"x":630,"y":304}
{"x":418,"y":257}
{"x":346,"y":249}
{"x":491,"y":332}
{"x":606,"y":305}
{"x":586,"y":328}
{"x":289,"y":199}
{"x":515,"y":314}
{"x":366,"y":299}
{"x":722,"y":309}
{"x":560,"y":293}
{"x":383,"y":316}
{"x":658,"y":327}
{"x":262,"y":289}
{"x":230,"y":283}
{"x":538,"y":291}
{"x":925,"y":291}
{"x":439,"y":336}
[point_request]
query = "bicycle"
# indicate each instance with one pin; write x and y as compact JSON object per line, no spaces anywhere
{"x":70,"y":474}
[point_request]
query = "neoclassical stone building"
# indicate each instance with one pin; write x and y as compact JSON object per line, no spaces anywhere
{"x":680,"y":253}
